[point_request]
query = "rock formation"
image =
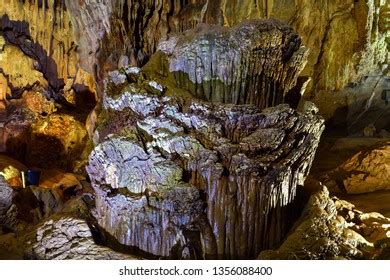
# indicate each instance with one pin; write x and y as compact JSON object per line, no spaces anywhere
{"x":180,"y":177}
{"x":367,"y":171}
{"x":67,"y":233}
{"x":105,"y":34}
{"x":51,"y":47}
{"x":66,"y":238}
{"x":255,"y":62}
{"x":193,"y":155}
{"x":331,"y":228}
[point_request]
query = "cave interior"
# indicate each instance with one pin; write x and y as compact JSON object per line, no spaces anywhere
{"x":195,"y":129}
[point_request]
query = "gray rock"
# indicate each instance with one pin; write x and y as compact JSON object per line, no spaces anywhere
{"x":8,"y":210}
{"x":247,"y":163}
{"x":256,"y":62}
{"x":64,"y":238}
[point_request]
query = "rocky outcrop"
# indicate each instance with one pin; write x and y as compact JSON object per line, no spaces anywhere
{"x":190,"y":179}
{"x":51,"y":47}
{"x":256,"y":62}
{"x":367,"y":171}
{"x":334,"y":229}
{"x":66,"y":238}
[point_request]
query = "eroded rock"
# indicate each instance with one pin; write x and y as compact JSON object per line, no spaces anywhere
{"x":186,"y":175}
{"x":367,"y":171}
{"x":334,"y":229}
{"x":64,"y":238}
{"x":256,"y":62}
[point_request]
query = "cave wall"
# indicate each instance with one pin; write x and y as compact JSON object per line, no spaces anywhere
{"x":347,"y":38}
{"x":43,"y":32}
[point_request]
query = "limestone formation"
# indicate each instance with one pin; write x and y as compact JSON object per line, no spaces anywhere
{"x":66,"y":238}
{"x":367,"y":171}
{"x":52,"y":46}
{"x":256,"y":62}
{"x":334,"y":229}
{"x":187,"y":178}
{"x":8,"y":208}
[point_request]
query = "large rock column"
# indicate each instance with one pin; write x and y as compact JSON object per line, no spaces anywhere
{"x":179,"y":177}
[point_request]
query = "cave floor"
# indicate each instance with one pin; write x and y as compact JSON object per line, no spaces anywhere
{"x":332,"y":152}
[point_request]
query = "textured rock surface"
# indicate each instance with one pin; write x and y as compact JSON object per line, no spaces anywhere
{"x":51,"y":46}
{"x":175,"y":160}
{"x":130,"y":31}
{"x":38,"y":136}
{"x":334,"y":229}
{"x":367,"y":171}
{"x":64,"y":238}
{"x":6,"y":198}
{"x":256,"y":62}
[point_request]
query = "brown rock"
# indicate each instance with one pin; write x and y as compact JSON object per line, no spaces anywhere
{"x":37,"y":103}
{"x":367,"y":171}
{"x":56,"y":141}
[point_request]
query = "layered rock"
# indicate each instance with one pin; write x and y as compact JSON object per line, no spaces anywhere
{"x":186,"y":178}
{"x":256,"y":62}
{"x":331,"y":228}
{"x":107,"y":34}
{"x":69,"y":234}
{"x":66,"y":238}
{"x":8,"y":211}
{"x":52,"y":46}
{"x":366,"y":171}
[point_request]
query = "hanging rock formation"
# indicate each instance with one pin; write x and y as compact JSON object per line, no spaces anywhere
{"x":98,"y":36}
{"x":256,"y":62}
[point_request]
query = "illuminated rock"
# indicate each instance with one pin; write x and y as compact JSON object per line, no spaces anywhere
{"x":190,"y":176}
{"x":256,"y":62}
{"x":330,"y":228}
{"x":66,"y":238}
{"x":367,"y":171}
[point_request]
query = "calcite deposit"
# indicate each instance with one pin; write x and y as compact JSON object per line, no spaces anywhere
{"x":255,"y":62}
{"x":331,"y":228}
{"x":186,"y":129}
{"x":188,"y":178}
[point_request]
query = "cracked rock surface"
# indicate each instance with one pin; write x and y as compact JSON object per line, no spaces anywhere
{"x":256,"y":62}
{"x":330,"y":228}
{"x":185,"y":178}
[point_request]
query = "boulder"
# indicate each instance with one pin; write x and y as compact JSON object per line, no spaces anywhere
{"x":367,"y":171}
{"x":330,"y":228}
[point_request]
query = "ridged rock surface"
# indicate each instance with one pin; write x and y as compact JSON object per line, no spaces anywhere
{"x":331,"y":228}
{"x":51,"y":46}
{"x":190,"y":179}
{"x":256,"y":62}
{"x":66,"y":238}
{"x":107,"y":33}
